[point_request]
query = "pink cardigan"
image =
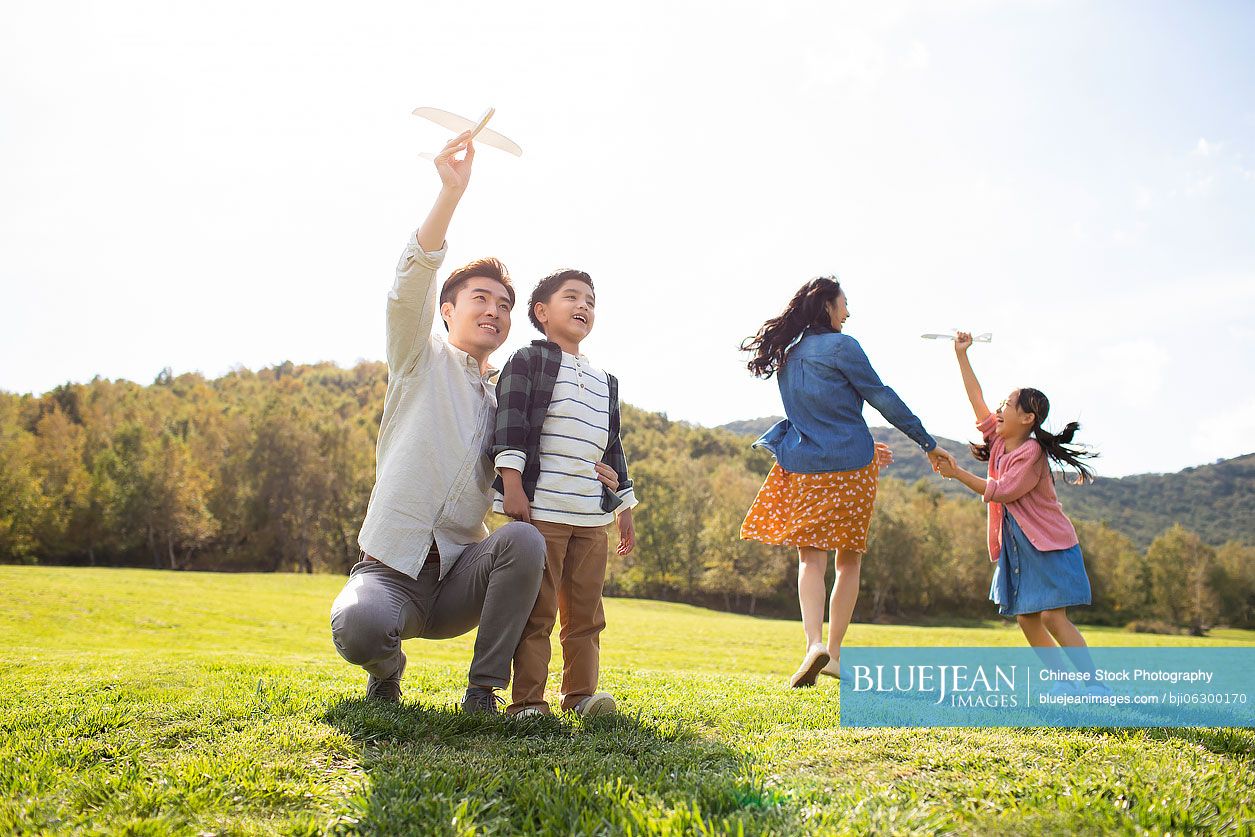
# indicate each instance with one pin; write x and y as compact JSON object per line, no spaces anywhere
{"x":1021,"y":481}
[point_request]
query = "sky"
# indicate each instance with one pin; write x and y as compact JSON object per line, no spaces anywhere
{"x":206,"y":186}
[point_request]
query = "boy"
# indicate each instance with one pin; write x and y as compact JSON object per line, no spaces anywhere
{"x":557,"y":417}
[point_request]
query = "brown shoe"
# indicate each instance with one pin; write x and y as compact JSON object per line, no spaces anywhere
{"x":812,"y":664}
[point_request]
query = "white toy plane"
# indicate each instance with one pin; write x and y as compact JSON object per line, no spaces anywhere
{"x":459,"y":124}
{"x":987,"y":337}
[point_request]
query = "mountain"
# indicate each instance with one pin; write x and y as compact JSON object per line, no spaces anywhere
{"x":1217,"y":501}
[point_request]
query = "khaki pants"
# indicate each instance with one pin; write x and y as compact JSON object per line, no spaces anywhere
{"x":575,"y":570}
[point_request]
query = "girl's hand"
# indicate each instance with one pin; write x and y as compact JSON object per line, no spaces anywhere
{"x":883,"y":455}
{"x":939,"y":458}
{"x":947,"y":468}
{"x":962,"y":342}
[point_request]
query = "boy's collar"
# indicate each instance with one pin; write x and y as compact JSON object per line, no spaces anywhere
{"x":549,"y":344}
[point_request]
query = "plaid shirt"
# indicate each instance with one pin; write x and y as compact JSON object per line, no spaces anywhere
{"x":524,"y":390}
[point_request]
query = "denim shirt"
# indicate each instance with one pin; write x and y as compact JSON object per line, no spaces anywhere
{"x":824,"y":381}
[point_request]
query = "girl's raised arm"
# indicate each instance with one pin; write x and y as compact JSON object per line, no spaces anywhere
{"x":963,"y":342}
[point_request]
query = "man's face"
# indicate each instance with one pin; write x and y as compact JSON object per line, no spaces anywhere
{"x":569,"y":313}
{"x":479,"y":316}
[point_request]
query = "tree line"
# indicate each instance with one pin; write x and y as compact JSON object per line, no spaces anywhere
{"x":271,"y":471}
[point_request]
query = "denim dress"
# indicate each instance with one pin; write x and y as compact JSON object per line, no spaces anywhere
{"x":1030,"y":580}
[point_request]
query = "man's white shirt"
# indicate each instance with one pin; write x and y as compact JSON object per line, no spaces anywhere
{"x":433,"y":478}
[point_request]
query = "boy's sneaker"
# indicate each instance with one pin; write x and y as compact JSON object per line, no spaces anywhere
{"x":388,"y":690}
{"x":529,"y":712}
{"x":595,"y":706}
{"x":479,"y":700}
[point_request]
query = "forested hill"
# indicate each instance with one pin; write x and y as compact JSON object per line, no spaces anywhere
{"x":271,"y":471}
{"x":1217,"y":501}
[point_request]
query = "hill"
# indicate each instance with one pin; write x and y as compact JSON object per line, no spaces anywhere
{"x":1217,"y":501}
{"x":271,"y":471}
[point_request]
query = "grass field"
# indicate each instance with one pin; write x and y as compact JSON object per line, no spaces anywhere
{"x":154,"y":702}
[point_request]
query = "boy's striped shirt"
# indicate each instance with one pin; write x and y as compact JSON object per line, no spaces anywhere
{"x":573,"y":437}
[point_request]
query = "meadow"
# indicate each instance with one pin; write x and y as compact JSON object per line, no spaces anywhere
{"x":142,"y":702}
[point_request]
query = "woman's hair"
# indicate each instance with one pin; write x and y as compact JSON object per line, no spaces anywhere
{"x":1057,"y":446}
{"x":809,"y":307}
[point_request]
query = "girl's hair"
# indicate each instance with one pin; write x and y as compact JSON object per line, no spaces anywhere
{"x":807,"y":308}
{"x":1058,"y":446}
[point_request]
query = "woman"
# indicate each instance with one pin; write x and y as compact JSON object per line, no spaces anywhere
{"x":819,"y":494}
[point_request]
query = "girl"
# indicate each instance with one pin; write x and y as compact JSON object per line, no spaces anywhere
{"x":1038,"y":571}
{"x":820,"y":492}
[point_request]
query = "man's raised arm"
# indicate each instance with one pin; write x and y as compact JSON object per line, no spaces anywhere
{"x":454,"y":176}
{"x":412,"y":303}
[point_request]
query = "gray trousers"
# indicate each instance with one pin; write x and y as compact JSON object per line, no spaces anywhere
{"x":492,"y":585}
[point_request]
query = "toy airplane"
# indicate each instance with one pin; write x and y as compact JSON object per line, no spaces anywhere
{"x":460,"y":123}
{"x":987,"y":337}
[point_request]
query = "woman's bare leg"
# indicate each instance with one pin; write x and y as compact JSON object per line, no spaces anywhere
{"x":844,"y":597}
{"x":812,"y":563}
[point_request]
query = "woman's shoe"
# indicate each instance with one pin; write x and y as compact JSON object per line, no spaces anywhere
{"x":812,"y":664}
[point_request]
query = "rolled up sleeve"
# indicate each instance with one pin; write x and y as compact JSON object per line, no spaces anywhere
{"x":514,"y":459}
{"x":412,"y":306}
{"x":987,"y":426}
{"x":628,"y":495}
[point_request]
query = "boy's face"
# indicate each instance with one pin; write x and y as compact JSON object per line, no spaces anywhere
{"x":569,"y":312}
{"x":478,"y":317}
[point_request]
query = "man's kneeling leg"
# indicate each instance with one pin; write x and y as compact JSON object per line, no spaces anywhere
{"x":369,"y":618}
{"x":493,"y":584}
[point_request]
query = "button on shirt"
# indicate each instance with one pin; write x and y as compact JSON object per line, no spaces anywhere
{"x":433,"y":479}
{"x":572,"y":439}
{"x":824,"y":382}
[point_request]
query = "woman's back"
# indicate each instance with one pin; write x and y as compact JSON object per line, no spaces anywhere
{"x":824,"y":382}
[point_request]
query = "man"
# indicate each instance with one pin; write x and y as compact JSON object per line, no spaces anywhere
{"x":429,"y":567}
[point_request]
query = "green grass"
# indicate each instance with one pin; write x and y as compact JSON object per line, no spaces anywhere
{"x":153,"y":702}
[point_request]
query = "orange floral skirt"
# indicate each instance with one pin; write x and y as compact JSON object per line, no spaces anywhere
{"x":824,"y":511}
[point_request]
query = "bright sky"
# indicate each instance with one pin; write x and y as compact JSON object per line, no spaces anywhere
{"x":210,"y":185}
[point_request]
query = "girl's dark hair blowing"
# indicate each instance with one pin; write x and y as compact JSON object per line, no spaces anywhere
{"x":807,"y":308}
{"x":1056,"y":445}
